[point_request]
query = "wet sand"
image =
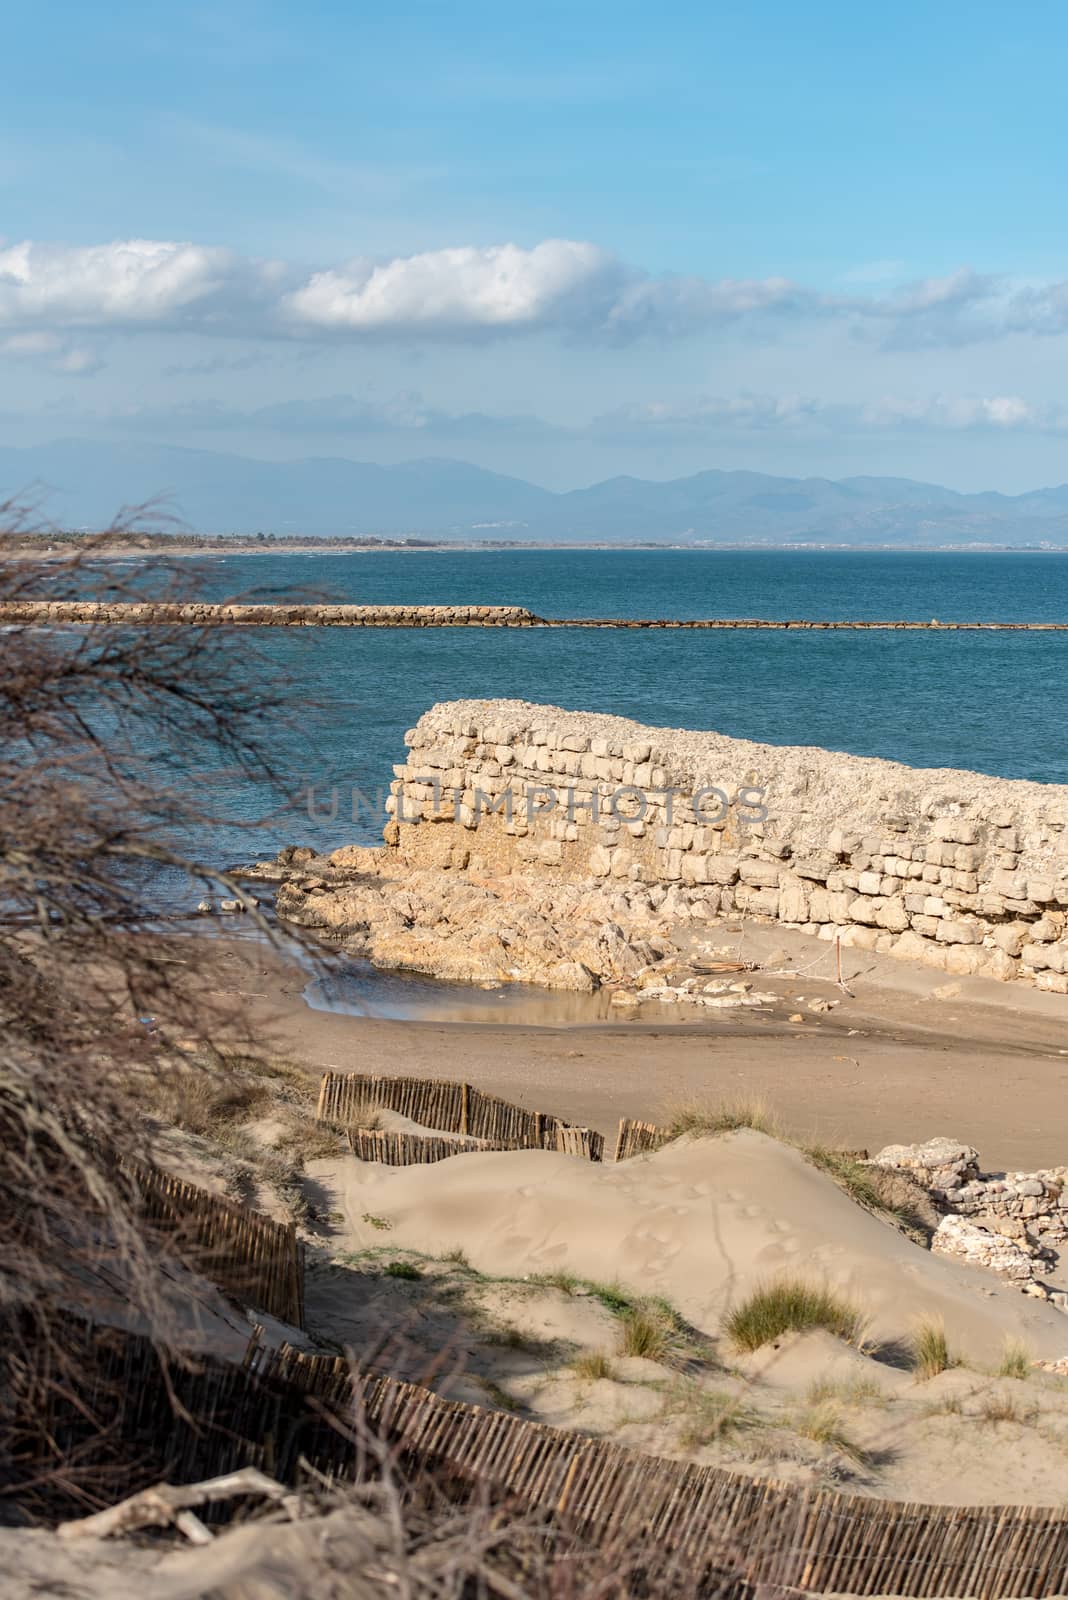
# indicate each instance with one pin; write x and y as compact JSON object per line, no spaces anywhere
{"x":908,"y":1057}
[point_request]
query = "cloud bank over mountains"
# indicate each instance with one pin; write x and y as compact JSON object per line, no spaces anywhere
{"x":476,"y":292}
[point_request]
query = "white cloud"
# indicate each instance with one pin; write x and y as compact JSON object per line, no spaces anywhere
{"x":709,"y":414}
{"x":500,"y":287}
{"x":1000,"y":412}
{"x":566,"y":285}
{"x":132,"y":281}
{"x":51,"y":350}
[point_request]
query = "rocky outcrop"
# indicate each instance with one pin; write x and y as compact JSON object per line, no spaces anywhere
{"x":965,"y":873}
{"x":949,"y":1171}
{"x":1014,"y":1258}
{"x":1012,"y":1223}
{"x":941,"y":1166}
{"x":501,"y":931}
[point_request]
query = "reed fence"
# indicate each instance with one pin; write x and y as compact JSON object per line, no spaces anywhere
{"x":414,"y":1149}
{"x":249,"y":1256}
{"x":411,"y":1149}
{"x":282,"y":1408}
{"x":451,"y":1107}
{"x":637,"y":1138}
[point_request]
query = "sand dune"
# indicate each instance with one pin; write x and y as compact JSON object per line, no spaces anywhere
{"x":701,"y":1223}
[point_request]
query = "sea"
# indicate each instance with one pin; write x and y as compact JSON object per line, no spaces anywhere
{"x":992,"y":703}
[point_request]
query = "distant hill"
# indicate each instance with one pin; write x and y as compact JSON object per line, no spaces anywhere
{"x":82,"y":483}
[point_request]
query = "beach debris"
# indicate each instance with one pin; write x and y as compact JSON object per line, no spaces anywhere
{"x":231,"y":905}
{"x":169,"y":1505}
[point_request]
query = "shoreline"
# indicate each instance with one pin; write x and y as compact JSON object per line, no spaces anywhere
{"x":221,"y":545}
{"x":900,"y":1062}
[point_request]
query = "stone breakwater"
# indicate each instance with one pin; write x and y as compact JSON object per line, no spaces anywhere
{"x":204,"y":613}
{"x":959,"y":871}
{"x":142,"y":613}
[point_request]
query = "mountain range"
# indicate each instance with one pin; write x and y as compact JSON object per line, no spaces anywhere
{"x":83,"y":484}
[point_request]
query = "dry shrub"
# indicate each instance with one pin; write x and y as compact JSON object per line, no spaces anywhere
{"x":101,"y":729}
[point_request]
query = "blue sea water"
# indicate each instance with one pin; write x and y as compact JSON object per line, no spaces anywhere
{"x":991,"y":703}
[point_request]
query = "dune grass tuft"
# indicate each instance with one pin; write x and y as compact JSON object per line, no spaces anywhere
{"x":930,"y":1349}
{"x":711,"y":1416}
{"x":1004,"y":1408}
{"x":647,"y":1329}
{"x":699,"y":1118}
{"x":594,"y":1365}
{"x":791,"y":1305}
{"x":1015,"y":1360}
{"x":403,"y":1269}
{"x":846,"y":1391}
{"x":823,"y":1425}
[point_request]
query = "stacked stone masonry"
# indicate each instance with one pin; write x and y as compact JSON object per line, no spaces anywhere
{"x":963,"y":872}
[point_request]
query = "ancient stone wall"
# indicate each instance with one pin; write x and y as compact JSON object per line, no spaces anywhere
{"x":963,"y":872}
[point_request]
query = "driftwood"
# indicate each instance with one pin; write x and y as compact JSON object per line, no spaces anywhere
{"x":168,"y":1504}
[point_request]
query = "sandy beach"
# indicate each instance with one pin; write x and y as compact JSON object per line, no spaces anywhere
{"x":908,"y":1058}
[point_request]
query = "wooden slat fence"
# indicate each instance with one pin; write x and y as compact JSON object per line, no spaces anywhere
{"x":450,"y":1107}
{"x":414,"y":1149}
{"x":249,"y":1256}
{"x":276,"y":1410}
{"x":411,"y":1149}
{"x":637,"y":1138}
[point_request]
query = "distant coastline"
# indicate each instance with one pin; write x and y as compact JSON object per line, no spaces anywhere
{"x":103,"y":546}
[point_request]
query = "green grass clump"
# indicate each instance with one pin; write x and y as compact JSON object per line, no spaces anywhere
{"x":697,"y":1118}
{"x":403,"y":1269}
{"x":790,"y":1305}
{"x":1015,"y":1360}
{"x":930,"y":1350}
{"x":646,"y":1330}
{"x":383,"y":1224}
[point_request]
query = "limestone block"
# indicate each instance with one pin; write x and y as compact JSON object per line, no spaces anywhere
{"x":763,"y":874}
{"x":1009,"y":938}
{"x":958,"y":932}
{"x":600,"y":861}
{"x":864,"y":909}
{"x":893,"y":916}
{"x":1011,"y":884}
{"x":793,"y":900}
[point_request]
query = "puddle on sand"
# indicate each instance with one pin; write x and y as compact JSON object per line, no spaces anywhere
{"x":358,"y":989}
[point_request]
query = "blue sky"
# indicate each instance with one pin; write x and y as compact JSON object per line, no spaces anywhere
{"x":559,"y":240}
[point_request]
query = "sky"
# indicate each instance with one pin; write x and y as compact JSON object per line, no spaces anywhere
{"x":563,"y":241}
